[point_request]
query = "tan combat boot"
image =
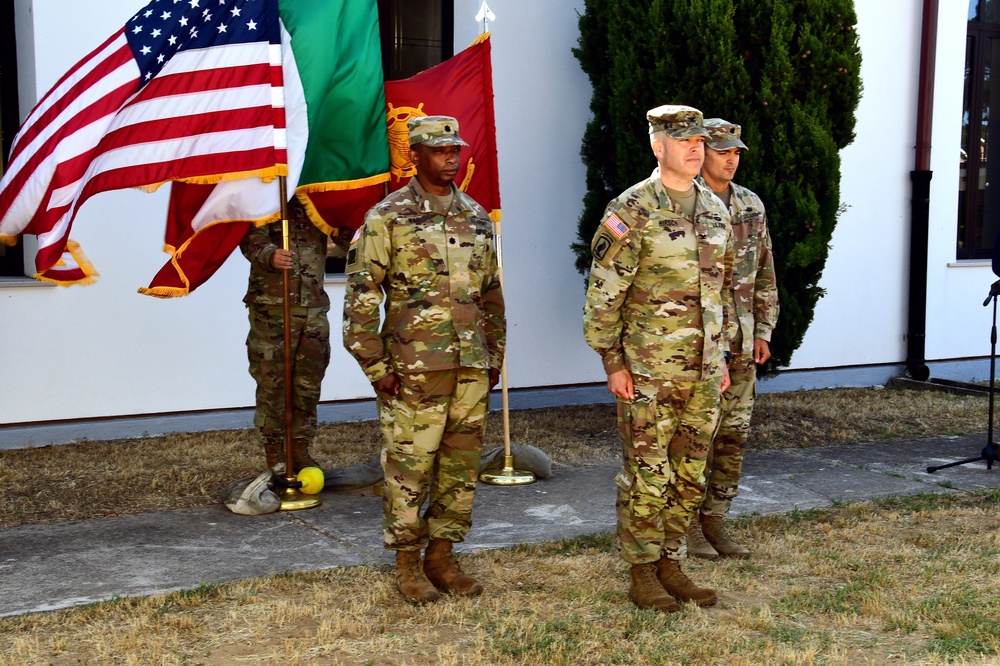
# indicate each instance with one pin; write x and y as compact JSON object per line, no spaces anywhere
{"x":676,"y":583}
{"x":410,"y":578}
{"x":444,"y":571}
{"x":697,"y":545}
{"x":300,"y":454}
{"x":645,"y":590}
{"x":716,"y":534}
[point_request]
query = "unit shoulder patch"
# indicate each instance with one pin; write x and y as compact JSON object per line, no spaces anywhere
{"x":354,"y":253}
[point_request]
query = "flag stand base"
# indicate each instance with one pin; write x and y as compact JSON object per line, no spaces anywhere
{"x":293,"y":499}
{"x":508,"y":476}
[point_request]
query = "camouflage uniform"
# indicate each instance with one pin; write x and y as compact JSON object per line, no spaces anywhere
{"x":310,"y":328}
{"x":756,"y":297}
{"x":658,"y":302}
{"x":444,"y":329}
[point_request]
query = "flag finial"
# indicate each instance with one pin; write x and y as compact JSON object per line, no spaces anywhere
{"x":486,"y":15}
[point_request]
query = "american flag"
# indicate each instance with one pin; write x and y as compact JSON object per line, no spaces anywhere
{"x":616,"y":226}
{"x":187,"y":90}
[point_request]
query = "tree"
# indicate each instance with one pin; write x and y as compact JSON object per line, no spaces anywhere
{"x":788,"y":71}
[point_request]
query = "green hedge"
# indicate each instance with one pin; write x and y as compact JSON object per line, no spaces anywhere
{"x":788,"y":71}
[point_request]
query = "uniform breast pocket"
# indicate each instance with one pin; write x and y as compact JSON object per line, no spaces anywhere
{"x":752,"y":220}
{"x":480,"y":258}
{"x":480,"y":232}
{"x":415,"y":255}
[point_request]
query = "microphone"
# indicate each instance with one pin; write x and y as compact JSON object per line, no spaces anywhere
{"x":995,"y":289}
{"x":994,"y":292}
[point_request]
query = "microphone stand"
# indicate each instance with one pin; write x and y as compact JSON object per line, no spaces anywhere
{"x":989,"y":453}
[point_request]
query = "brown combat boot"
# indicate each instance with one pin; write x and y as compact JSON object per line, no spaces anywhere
{"x":410,"y":578}
{"x":274,"y":453}
{"x":697,"y":545}
{"x":300,"y":455}
{"x":645,"y":590}
{"x":676,"y":582}
{"x":716,"y":534}
{"x":443,"y":570}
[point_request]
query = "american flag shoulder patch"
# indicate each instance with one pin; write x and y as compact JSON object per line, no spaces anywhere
{"x":356,"y":237}
{"x":616,"y":226}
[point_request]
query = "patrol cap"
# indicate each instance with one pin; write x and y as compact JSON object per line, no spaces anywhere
{"x":723,"y":135}
{"x":434,"y":131}
{"x":678,"y":122}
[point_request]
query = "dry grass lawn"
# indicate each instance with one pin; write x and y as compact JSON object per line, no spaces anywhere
{"x":899,"y":581}
{"x":909,"y":581}
{"x":108,"y":478}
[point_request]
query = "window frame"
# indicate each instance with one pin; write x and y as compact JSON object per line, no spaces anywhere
{"x":974,"y":240}
{"x":12,"y":260}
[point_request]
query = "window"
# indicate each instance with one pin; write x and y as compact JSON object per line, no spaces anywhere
{"x":979,"y":184}
{"x":11,"y":257}
{"x":415,"y":35}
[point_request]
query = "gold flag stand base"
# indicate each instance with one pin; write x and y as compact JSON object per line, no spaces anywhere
{"x":293,"y":499}
{"x":508,"y":476}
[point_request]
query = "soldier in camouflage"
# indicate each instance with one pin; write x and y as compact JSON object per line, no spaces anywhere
{"x":428,"y":251}
{"x":756,"y":297}
{"x":310,"y":331}
{"x":658,"y":304}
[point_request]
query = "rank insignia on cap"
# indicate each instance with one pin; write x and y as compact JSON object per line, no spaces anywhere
{"x":616,"y":226}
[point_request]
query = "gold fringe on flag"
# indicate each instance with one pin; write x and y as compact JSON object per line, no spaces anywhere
{"x":89,"y":273}
{"x":303,"y":191}
{"x":266,"y":175}
{"x":341,"y":185}
{"x":176,"y":254}
{"x":480,"y":39}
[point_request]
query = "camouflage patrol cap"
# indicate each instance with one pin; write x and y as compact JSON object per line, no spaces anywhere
{"x":723,"y":135}
{"x":678,"y":122}
{"x":434,"y":131}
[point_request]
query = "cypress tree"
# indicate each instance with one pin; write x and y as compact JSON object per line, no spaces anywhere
{"x":786,"y":70}
{"x":639,"y":55}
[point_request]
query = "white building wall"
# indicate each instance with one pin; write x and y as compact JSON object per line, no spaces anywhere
{"x":104,"y":350}
{"x":542,"y":103}
{"x":862,"y":317}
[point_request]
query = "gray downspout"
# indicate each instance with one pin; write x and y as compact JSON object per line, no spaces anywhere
{"x":916,"y":327}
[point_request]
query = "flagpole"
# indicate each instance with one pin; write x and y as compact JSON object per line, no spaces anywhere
{"x":509,"y":476}
{"x":291,"y":497}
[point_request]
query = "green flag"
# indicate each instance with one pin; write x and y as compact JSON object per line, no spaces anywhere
{"x":338,"y":60}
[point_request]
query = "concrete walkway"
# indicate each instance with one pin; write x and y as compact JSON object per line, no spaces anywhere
{"x":47,"y":567}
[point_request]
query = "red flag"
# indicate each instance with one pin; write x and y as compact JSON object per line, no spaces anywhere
{"x":462,"y":87}
{"x":179,"y":93}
